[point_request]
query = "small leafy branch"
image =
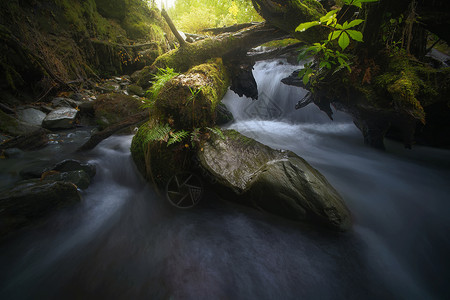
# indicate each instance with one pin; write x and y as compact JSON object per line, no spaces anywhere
{"x":325,"y":53}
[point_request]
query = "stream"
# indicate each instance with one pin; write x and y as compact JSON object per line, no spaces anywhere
{"x":123,"y":241}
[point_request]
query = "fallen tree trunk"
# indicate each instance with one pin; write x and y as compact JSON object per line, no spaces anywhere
{"x":232,"y":28}
{"x":101,"y":135}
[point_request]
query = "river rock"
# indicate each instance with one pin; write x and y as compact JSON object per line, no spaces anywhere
{"x":13,"y":127}
{"x":60,"y":118}
{"x":278,"y":182}
{"x":223,"y":116}
{"x":33,"y":200}
{"x":134,"y":89}
{"x":70,"y":165}
{"x":64,"y":102}
{"x":31,"y":116}
{"x":30,"y":141}
{"x":80,"y":178}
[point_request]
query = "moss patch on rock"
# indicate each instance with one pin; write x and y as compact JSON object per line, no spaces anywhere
{"x":189,"y":100}
{"x":112,"y":108}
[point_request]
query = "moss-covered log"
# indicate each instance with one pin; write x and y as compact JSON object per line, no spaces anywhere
{"x":189,"y":100}
{"x":288,"y":14}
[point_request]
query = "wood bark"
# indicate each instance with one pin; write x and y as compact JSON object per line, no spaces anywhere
{"x":101,"y":135}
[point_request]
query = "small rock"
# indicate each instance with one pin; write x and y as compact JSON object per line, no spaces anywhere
{"x":31,"y":116}
{"x":74,"y":165}
{"x":60,"y":118}
{"x":64,"y":102}
{"x":135,"y":90}
{"x":80,"y":178}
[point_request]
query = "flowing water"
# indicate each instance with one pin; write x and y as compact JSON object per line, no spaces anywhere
{"x":125,"y":242}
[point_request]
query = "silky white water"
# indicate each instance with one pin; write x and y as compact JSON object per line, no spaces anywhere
{"x":125,"y":242}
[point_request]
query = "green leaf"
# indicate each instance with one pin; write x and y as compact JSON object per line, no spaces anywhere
{"x":356,"y":35}
{"x":354,"y":23}
{"x":217,"y":131}
{"x":344,"y":40}
{"x":334,"y":35}
{"x":307,"y":76}
{"x":302,"y":27}
{"x":329,"y":16}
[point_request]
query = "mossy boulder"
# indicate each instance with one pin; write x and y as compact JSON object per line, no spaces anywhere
{"x":114,"y":107}
{"x":155,"y":159}
{"x":279,"y":182}
{"x":190,"y":100}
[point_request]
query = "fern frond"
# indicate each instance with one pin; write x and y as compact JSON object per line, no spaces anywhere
{"x":159,"y":132}
{"x":217,"y":131}
{"x":177,"y":136}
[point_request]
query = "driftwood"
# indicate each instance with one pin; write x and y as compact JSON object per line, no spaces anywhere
{"x":100,"y":136}
{"x":232,"y":28}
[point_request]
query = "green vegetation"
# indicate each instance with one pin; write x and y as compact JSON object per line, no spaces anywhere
{"x":325,"y":53}
{"x":194,"y":15}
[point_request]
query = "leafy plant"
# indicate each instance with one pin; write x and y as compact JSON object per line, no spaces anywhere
{"x":325,"y":52}
{"x":160,"y":79}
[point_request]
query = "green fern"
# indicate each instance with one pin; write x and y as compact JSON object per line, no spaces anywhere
{"x":217,"y":131}
{"x":177,"y":136}
{"x":160,"y":79}
{"x":159,"y":132}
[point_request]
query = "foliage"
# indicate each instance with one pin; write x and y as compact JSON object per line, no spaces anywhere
{"x":160,"y":79}
{"x":214,"y":13}
{"x":325,"y":53}
{"x":165,"y":133}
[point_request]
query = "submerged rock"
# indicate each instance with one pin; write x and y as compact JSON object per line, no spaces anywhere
{"x":60,"y":118}
{"x":274,"y":181}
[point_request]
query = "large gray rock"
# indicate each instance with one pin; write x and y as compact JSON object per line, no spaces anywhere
{"x":31,"y":116}
{"x":33,"y":200}
{"x":279,"y":182}
{"x":60,"y":118}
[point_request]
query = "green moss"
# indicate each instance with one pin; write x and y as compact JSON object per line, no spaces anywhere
{"x":112,"y":108}
{"x":190,"y":99}
{"x":157,"y":162}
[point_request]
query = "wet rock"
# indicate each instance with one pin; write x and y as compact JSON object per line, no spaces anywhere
{"x":224,"y":116}
{"x":31,"y":116}
{"x":13,"y":127}
{"x":70,"y":165}
{"x":135,"y":90}
{"x":34,"y":170}
{"x":80,"y":178}
{"x":65,"y":102}
{"x":30,"y":141}
{"x":112,"y":108}
{"x":60,"y":118}
{"x":108,"y":87}
{"x":30,"y":201}
{"x":278,"y":182}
